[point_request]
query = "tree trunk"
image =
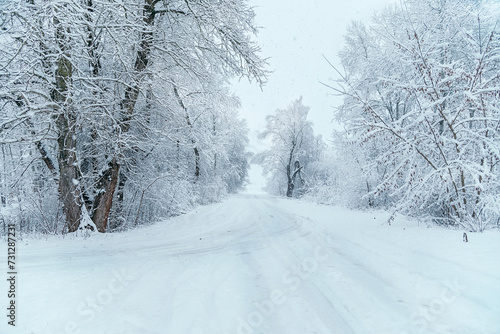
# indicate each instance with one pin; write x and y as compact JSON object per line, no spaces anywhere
{"x":109,"y":178}
{"x":289,"y":190}
{"x":195,"y":147}
{"x":291,"y":179}
{"x":196,"y":162}
{"x":117,"y":217}
{"x":290,"y":185}
{"x":69,"y":175}
{"x":104,"y":199}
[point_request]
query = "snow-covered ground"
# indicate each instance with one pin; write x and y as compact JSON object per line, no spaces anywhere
{"x":261,"y":264}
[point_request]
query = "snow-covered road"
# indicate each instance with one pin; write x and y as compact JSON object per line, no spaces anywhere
{"x":261,"y":264}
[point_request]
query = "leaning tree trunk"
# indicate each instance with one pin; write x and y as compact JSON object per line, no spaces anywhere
{"x":109,"y":178}
{"x":104,"y":199}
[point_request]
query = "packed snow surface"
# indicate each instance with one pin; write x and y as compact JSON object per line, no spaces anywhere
{"x":261,"y":264}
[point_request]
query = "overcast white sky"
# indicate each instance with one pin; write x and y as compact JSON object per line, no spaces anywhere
{"x":294,"y":35}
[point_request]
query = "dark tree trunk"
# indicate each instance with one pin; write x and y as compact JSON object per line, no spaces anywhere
{"x":197,"y":163}
{"x":47,"y":160}
{"x":104,"y":199}
{"x":290,"y":184}
{"x":289,"y":189}
{"x":291,"y":179}
{"x":69,"y":174}
{"x":109,"y":179}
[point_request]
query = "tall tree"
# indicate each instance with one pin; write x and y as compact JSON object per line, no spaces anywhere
{"x":292,"y":139}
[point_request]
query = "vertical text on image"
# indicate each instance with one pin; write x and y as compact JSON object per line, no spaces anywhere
{"x":11,"y":275}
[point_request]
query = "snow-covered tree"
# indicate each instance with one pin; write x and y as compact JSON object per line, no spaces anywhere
{"x":293,"y":148}
{"x":91,"y":89}
{"x":341,"y":175}
{"x":421,"y":87}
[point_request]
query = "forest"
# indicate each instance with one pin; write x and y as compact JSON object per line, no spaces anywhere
{"x":120,"y":113}
{"x":420,"y":85}
{"x":143,"y":191}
